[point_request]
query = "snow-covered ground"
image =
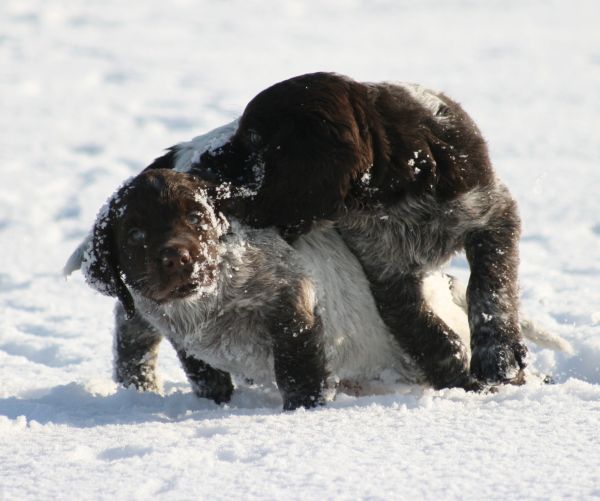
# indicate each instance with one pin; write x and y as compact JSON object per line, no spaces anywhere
{"x":92,"y":90}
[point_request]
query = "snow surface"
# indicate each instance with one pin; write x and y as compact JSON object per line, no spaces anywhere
{"x":91,"y":91}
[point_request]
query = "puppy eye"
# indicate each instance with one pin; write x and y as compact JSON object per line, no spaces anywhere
{"x":194,"y":218}
{"x":136,"y":236}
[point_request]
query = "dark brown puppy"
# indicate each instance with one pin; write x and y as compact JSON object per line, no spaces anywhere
{"x":406,"y":176}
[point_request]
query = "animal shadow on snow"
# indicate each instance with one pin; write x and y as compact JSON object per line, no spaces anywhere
{"x":81,"y":406}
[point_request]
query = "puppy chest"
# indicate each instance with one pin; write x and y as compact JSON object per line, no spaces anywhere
{"x":238,"y":344}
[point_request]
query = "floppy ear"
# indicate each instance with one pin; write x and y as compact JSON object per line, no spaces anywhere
{"x":309,"y":165}
{"x":100,"y":266}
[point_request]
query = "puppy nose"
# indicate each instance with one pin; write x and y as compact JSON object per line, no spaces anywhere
{"x":174,"y":257}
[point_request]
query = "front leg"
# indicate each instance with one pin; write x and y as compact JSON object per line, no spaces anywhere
{"x":136,"y":345}
{"x":206,"y":381}
{"x":298,"y":351}
{"x":437,"y":349}
{"x":498,"y":351}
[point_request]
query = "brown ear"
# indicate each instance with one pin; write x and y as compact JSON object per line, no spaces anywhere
{"x":309,"y":168}
{"x":100,"y":264}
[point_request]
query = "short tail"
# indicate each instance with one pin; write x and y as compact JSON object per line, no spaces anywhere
{"x":530,"y":329}
{"x":76,"y":259}
{"x":543,"y":338}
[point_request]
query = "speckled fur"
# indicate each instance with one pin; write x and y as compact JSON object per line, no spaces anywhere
{"x":415,"y":238}
{"x":230,"y":330}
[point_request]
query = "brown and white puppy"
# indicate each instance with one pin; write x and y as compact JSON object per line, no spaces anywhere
{"x":405,"y":175}
{"x":237,"y":300}
{"x":233,"y":299}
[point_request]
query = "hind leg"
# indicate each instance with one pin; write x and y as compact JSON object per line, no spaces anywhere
{"x":439,"y":351}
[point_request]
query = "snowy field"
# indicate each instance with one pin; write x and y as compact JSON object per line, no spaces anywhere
{"x":91,"y":91}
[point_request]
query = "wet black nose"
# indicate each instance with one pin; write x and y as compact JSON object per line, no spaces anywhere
{"x":174,"y":258}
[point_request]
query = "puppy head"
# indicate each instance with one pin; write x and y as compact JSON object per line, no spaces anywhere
{"x":159,"y":236}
